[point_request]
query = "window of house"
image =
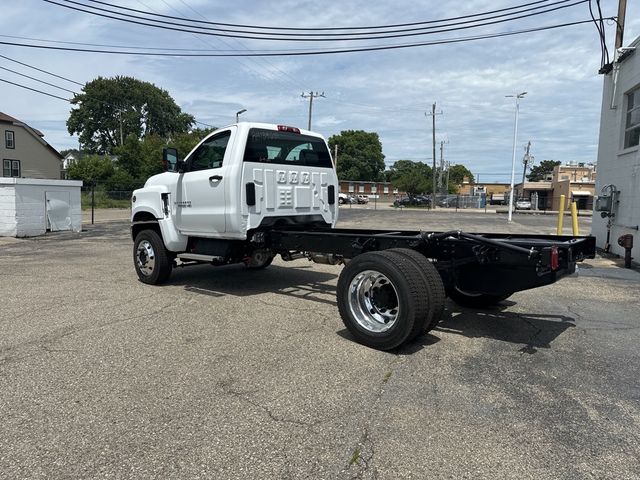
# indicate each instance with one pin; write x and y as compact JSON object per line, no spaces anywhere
{"x":351,"y":190}
{"x":9,"y":139}
{"x":11,"y":168}
{"x":632,"y":123}
{"x":361,"y":188}
{"x":386,"y":189}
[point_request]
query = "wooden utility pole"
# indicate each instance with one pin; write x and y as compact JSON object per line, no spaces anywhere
{"x":311,"y":96}
{"x":433,"y":173}
{"x":441,"y":173}
{"x":528,"y":158}
{"x":622,"y":9}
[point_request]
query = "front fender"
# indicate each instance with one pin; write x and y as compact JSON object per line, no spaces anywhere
{"x":149,"y":199}
{"x":155,"y":200}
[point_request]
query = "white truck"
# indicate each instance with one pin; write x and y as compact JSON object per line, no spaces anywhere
{"x":251,"y":191}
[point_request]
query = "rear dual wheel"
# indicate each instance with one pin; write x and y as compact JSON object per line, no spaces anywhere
{"x":384,"y":299}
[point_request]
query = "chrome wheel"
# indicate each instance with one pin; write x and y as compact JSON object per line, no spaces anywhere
{"x":373,"y":301}
{"x":145,"y":258}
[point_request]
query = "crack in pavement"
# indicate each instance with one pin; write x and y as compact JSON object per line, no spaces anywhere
{"x":362,"y":459}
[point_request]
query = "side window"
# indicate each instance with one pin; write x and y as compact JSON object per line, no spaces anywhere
{"x":9,"y":139}
{"x":11,"y":168}
{"x":211,"y":153}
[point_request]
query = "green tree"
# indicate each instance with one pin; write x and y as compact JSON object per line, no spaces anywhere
{"x":359,"y":155}
{"x":456,"y":176}
{"x":411,"y":177}
{"x":109,"y":109}
{"x":91,"y":168}
{"x":540,"y":172}
{"x":184,"y":142}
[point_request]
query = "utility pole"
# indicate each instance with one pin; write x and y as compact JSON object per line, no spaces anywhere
{"x":120,"y":118}
{"x":441,"y":173}
{"x":517,"y":96}
{"x":526,"y":160}
{"x":311,"y":96}
{"x":622,"y":8}
{"x":433,"y":173}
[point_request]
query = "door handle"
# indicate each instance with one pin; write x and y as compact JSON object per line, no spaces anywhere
{"x":215,"y":178}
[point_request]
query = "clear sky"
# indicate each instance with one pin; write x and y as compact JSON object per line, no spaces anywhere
{"x":387,"y":92}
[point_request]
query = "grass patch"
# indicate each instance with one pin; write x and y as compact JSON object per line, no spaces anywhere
{"x":103,"y":200}
{"x":355,"y":457}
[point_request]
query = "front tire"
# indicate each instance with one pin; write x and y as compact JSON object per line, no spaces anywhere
{"x":150,"y":258}
{"x":381,"y":299}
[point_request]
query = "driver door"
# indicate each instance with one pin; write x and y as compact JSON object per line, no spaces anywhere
{"x":201,"y":201}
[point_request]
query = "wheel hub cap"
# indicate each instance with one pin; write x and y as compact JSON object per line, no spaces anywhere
{"x":373,"y":301}
{"x":146,"y":258}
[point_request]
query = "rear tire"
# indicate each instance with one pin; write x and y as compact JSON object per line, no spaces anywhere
{"x":381,"y":299}
{"x":434,"y":286}
{"x":150,"y":258}
{"x":476,"y":300}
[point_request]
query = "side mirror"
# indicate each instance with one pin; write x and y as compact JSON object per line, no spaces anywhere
{"x":170,"y":159}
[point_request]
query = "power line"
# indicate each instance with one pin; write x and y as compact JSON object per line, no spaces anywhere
{"x":41,"y":70}
{"x":245,"y":64}
{"x":217,"y":32}
{"x":37,"y":79}
{"x":375,"y":27}
{"x":293,"y":52}
{"x":61,"y":88}
{"x":35,"y":90}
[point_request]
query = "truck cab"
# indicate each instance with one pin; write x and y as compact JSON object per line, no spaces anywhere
{"x":240,"y":178}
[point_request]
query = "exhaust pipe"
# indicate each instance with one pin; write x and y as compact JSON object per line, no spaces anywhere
{"x":324,"y":258}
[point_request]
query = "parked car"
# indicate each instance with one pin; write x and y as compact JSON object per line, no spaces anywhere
{"x":451,"y":202}
{"x":362,"y":199}
{"x":344,"y":198}
{"x":415,"y":201}
{"x":523,"y":205}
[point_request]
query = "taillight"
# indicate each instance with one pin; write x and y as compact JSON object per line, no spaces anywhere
{"x":284,"y":128}
{"x":554,"y":262}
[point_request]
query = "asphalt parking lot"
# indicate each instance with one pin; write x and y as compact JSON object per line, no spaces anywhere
{"x":229,"y":373}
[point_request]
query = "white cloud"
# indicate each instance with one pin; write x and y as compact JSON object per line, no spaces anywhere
{"x":386,"y":92}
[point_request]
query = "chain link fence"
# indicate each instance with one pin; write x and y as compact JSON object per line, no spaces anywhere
{"x":100,"y":202}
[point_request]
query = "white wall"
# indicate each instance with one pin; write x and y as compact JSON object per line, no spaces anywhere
{"x":7,"y":210}
{"x":23,"y":207}
{"x":616,"y":165}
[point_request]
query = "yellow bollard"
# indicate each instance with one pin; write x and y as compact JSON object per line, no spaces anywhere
{"x":560,"y":215}
{"x":574,"y":219}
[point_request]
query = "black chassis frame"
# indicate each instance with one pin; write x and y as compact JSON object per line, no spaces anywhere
{"x":484,"y":263}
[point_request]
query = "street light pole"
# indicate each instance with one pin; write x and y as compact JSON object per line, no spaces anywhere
{"x":238,"y":113}
{"x":517,"y":96}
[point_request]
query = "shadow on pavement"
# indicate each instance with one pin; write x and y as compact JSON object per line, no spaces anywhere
{"x":529,"y":329}
{"x":303,"y":282}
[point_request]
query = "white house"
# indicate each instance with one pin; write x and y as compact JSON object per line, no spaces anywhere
{"x":619,"y":151}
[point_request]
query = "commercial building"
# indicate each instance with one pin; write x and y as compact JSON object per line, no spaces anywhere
{"x":619,"y":151}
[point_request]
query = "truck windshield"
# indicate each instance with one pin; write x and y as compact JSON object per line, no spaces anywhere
{"x":286,"y":148}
